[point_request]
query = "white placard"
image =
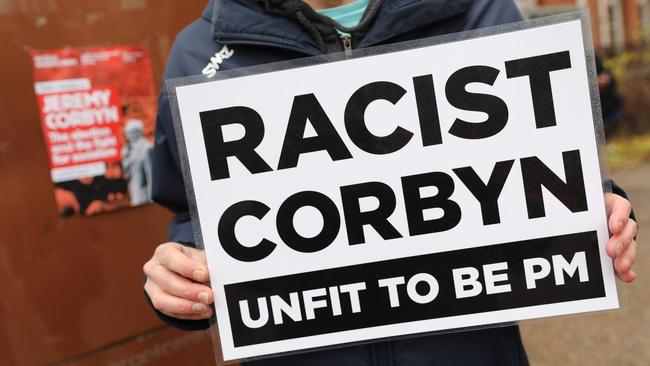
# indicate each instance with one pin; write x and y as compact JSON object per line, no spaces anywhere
{"x":430,"y":188}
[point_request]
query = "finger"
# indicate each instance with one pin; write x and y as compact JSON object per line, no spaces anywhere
{"x":628,"y":276}
{"x":174,"y":284}
{"x":618,"y":243}
{"x":197,"y":255}
{"x":624,"y":262}
{"x":175,"y":306}
{"x":193,"y":317}
{"x":174,"y":257}
{"x":619,"y":210}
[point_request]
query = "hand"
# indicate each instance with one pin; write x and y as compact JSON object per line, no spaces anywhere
{"x":621,"y":245}
{"x":176,"y":282}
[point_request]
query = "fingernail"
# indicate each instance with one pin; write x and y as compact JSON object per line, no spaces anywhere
{"x":619,"y":248}
{"x":198,"y":274}
{"x":199,"y":308}
{"x":203,"y":297}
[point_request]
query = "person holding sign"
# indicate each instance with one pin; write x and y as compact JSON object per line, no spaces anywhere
{"x":248,"y":32}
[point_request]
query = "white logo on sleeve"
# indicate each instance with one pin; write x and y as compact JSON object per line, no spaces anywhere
{"x":211,"y":68}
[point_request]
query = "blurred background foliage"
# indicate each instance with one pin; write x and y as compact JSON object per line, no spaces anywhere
{"x":628,"y":140}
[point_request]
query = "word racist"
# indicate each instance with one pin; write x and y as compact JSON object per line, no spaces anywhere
{"x":535,"y":174}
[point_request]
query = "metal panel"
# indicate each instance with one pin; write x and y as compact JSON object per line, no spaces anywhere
{"x":72,"y":288}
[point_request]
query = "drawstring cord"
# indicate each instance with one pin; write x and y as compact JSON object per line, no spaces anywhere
{"x":311,"y":28}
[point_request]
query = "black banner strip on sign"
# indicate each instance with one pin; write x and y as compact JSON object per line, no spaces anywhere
{"x":504,"y":276}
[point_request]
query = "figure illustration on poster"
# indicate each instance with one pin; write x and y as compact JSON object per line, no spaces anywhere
{"x":136,"y":162}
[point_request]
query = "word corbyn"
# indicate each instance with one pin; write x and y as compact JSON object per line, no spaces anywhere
{"x":80,"y":109}
{"x":535,"y":173}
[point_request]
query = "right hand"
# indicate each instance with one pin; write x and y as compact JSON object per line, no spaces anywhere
{"x":177,"y":278}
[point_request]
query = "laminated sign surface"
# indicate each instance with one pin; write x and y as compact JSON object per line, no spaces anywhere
{"x":419,"y":188}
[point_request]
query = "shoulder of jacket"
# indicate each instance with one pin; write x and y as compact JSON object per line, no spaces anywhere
{"x":192,"y":50}
{"x":495,"y":12}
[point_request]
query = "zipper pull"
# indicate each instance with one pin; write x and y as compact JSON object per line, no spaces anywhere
{"x":347,"y":44}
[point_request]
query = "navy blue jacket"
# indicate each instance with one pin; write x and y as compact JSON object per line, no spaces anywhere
{"x":254,"y":37}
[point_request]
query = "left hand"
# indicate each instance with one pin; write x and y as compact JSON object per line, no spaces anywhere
{"x":621,"y":245}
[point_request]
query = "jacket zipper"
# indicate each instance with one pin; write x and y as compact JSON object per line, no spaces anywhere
{"x":347,"y":44}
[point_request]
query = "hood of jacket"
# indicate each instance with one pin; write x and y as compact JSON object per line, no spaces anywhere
{"x":294,"y":25}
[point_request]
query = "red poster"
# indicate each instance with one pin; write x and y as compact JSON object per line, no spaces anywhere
{"x":98,"y":108}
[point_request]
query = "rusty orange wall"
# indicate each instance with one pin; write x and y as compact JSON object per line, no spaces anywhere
{"x":71,"y":289}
